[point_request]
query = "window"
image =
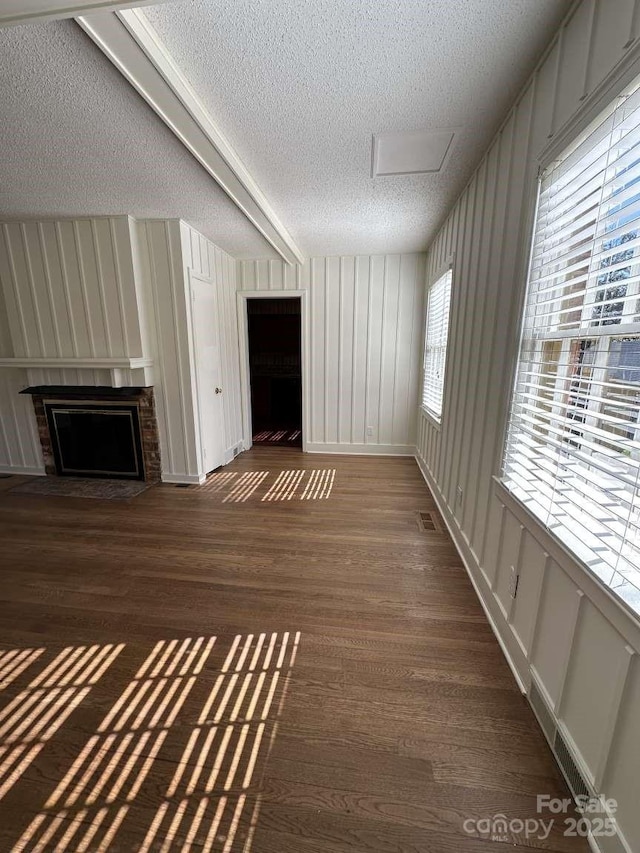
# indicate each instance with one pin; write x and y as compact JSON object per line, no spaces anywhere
{"x":572,"y":453}
{"x":435,"y":346}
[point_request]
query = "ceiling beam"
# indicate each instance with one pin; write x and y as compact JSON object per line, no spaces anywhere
{"x":130,"y":42}
{"x":13,"y":12}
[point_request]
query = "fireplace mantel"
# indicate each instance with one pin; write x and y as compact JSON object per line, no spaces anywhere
{"x":121,"y":369}
{"x":83,"y":392}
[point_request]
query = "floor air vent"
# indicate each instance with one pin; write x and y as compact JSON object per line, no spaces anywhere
{"x":429,"y":522}
{"x":579,"y":787}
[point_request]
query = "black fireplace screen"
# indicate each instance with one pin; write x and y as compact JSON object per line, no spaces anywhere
{"x":96,"y":440}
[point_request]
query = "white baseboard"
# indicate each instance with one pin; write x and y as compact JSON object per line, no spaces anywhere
{"x":472,"y":569}
{"x":362,"y":449}
{"x":231,"y":452}
{"x":196,"y":479}
{"x":33,"y":472}
{"x":610,"y":844}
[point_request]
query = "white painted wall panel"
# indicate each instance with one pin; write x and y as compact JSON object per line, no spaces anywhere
{"x":611,"y":32}
{"x":365,"y":338}
{"x":556,"y":623}
{"x":589,"y":692}
{"x":68,"y":290}
{"x":488,"y":233}
{"x":19,"y":443}
{"x":109,"y":287}
{"x":509,"y":558}
{"x":176,"y":414}
{"x":532,"y":564}
{"x":621,"y":780}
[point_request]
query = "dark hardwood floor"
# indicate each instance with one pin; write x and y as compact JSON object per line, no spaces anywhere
{"x":198,"y":669}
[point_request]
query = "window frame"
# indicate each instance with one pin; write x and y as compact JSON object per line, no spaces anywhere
{"x":602,"y":335}
{"x":447,"y":268}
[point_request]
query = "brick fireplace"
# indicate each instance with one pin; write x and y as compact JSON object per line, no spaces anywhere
{"x":92,"y":431}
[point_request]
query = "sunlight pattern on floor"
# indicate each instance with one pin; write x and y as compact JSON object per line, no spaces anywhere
{"x":277,"y":435}
{"x":319,"y":484}
{"x":38,"y":711}
{"x":307,"y":485}
{"x":211,"y":802}
{"x":285,"y":486}
{"x":245,"y":487}
{"x":114,"y":763}
{"x":14,"y":662}
{"x":211,"y":786}
{"x":218,"y":482}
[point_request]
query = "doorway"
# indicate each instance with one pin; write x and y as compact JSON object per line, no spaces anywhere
{"x":274,"y":331}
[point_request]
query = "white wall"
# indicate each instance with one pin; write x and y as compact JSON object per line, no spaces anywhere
{"x":95,"y":302}
{"x":69,"y":297}
{"x":364,"y":337}
{"x":563,"y":631}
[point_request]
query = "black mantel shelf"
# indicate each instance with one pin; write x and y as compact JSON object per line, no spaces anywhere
{"x":82,"y":391}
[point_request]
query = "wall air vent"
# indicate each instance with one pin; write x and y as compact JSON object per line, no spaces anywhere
{"x":576,"y":781}
{"x":572,"y":774}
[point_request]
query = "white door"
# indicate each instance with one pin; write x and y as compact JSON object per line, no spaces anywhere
{"x":207,"y":372}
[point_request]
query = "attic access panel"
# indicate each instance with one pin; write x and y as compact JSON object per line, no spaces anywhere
{"x":410,"y":153}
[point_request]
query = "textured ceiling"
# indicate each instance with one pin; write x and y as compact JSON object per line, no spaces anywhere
{"x":77,"y":139}
{"x":299,"y":88}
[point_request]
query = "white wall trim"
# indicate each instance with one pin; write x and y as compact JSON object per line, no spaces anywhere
{"x":197,"y":391}
{"x":243,"y":337}
{"x":467,"y":560}
{"x":14,"y":13}
{"x":133,"y":46}
{"x":362,"y":449}
{"x":89,"y":363}
{"x":614,"y":610}
{"x":196,"y":479}
{"x":31,"y":471}
{"x":231,"y":452}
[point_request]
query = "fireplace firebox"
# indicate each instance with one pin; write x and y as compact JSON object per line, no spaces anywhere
{"x":95,"y":440}
{"x":94,"y":431}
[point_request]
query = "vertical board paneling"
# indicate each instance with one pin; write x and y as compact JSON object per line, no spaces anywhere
{"x":476,"y":377}
{"x":388,"y":348}
{"x":332,"y":354}
{"x":365,"y":334}
{"x":610,"y":35}
{"x":374,"y":355}
{"x":360,"y":348}
{"x":67,"y":290}
{"x":317,"y":348}
{"x":488,"y":234}
{"x":168,"y":359}
{"x":347,"y":334}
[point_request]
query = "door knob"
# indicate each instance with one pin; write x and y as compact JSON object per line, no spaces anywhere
{"x":218,"y":390}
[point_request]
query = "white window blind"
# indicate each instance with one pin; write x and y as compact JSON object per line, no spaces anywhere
{"x":572,"y":453}
{"x":435,"y":348}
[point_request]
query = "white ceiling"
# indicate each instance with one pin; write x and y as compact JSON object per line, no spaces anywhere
{"x":298,"y":88}
{"x":78,"y":140}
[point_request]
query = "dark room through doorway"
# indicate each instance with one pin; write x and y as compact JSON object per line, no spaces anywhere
{"x":275,"y":371}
